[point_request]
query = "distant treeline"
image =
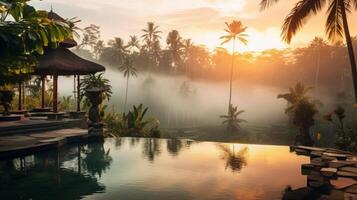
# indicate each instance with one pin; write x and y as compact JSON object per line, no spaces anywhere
{"x":319,"y":64}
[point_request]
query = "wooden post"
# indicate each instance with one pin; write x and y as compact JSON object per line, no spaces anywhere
{"x":23,"y":94}
{"x":20,"y":96}
{"x":55,"y":91}
{"x":78,"y":93}
{"x":43,"y":80}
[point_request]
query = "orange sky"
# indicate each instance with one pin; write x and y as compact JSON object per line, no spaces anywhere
{"x":201,"y":20}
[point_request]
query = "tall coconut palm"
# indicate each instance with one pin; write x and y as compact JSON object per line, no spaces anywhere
{"x":119,"y":46}
{"x":235,"y":31}
{"x":174,"y":42}
{"x":128,"y":70}
{"x":151,"y":34}
{"x":336,"y":24}
{"x":187,"y":47}
{"x":151,"y":38}
{"x":133,"y":43}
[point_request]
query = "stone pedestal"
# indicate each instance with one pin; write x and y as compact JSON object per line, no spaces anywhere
{"x":95,"y":124}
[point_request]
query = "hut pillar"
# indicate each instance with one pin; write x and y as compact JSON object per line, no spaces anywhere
{"x":23,"y":94}
{"x":55,"y":91}
{"x":43,"y":89}
{"x":78,"y":93}
{"x":20,"y":96}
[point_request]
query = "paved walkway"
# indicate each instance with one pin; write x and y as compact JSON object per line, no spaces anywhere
{"x":22,"y":144}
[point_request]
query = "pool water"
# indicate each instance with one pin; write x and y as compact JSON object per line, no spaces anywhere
{"x":165,"y":169}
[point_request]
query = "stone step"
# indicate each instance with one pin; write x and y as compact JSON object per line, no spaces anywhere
{"x":328,"y":172}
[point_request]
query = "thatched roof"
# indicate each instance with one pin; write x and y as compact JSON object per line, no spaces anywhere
{"x":62,"y":61}
{"x":68,"y":43}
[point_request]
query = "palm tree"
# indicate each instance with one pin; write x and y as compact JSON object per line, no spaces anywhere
{"x":232,"y":119}
{"x":98,"y":48}
{"x":151,"y":41}
{"x":174,"y":41}
{"x":129,"y":70}
{"x":133,"y":43}
{"x":187,"y":50}
{"x":235,"y":30}
{"x":119,"y":46}
{"x":151,"y":34}
{"x":302,"y":110}
{"x":335,"y":26}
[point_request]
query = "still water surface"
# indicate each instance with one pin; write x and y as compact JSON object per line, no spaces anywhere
{"x":136,"y":169}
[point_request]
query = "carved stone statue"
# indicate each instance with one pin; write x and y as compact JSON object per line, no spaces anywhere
{"x":95,"y":123}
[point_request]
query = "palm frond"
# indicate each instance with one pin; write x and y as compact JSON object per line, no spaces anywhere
{"x":334,"y":23}
{"x":298,"y":15}
{"x":264,"y":4}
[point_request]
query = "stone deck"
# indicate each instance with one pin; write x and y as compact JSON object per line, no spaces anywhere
{"x":330,"y":168}
{"x":24,"y":144}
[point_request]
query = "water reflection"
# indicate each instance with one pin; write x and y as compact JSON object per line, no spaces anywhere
{"x":97,"y":159}
{"x":235,"y":159}
{"x":146,"y":168}
{"x":119,"y":142}
{"x":43,"y":176}
{"x":174,"y":146}
{"x":134,"y":141}
{"x":151,"y":148}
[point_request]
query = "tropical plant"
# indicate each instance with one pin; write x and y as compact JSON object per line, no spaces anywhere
{"x":128,"y":70}
{"x":133,"y":43}
{"x":6,"y":96}
{"x":25,"y":35}
{"x":120,"y":49}
{"x":231,"y":120}
{"x":66,"y":103}
{"x":336,"y":24}
{"x":174,"y":42}
{"x":150,"y":36}
{"x":98,"y":48}
{"x":346,"y":133}
{"x":151,"y":39}
{"x":187,"y":47}
{"x":91,"y":35}
{"x":95,"y":81}
{"x":132,"y":123}
{"x":302,"y":110}
{"x":235,"y":31}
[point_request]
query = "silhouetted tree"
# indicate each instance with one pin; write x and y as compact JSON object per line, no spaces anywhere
{"x":235,"y":31}
{"x":174,"y":42}
{"x":302,"y":110}
{"x":336,"y":24}
{"x":128,"y":70}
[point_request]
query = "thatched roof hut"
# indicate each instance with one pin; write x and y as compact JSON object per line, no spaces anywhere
{"x":62,"y":61}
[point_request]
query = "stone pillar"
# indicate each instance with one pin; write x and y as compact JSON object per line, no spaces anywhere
{"x":43,"y":89}
{"x":20,"y":96}
{"x":55,"y":91}
{"x":78,"y":93}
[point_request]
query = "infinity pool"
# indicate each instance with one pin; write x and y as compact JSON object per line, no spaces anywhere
{"x":160,"y":169}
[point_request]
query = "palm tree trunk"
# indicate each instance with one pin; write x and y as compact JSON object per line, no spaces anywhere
{"x":350,"y":47}
{"x":317,"y":71}
{"x":126,"y":92}
{"x":305,"y":138}
{"x":231,"y":78}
